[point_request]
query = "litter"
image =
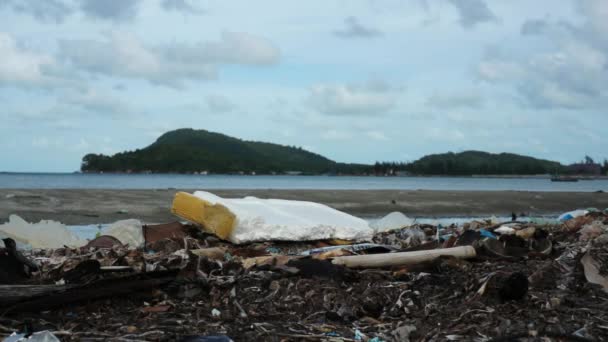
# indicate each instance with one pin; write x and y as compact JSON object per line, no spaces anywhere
{"x":44,"y":234}
{"x":504,"y":230}
{"x":128,"y":232}
{"x":362,"y":247}
{"x":392,"y":221}
{"x":592,"y":271}
{"x":572,"y":214}
{"x":41,"y":336}
{"x":252,"y":219}
{"x":421,"y":282}
{"x":403,"y":258}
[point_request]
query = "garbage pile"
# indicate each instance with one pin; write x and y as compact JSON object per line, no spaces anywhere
{"x":195,"y":281}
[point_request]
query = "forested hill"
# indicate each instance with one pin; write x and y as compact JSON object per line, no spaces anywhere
{"x":189,"y":150}
{"x":482,"y":163}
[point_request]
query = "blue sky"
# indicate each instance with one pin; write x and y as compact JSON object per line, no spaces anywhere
{"x":356,"y":81}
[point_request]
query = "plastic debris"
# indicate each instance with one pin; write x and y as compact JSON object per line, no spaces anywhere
{"x":129,"y":232}
{"x":572,"y":214}
{"x":504,"y":230}
{"x":44,"y":234}
{"x":392,"y":221}
{"x":252,"y":219}
{"x":487,"y":233}
{"x":592,"y":271}
{"x":592,"y":231}
{"x":413,"y":284}
{"x":403,"y":258}
{"x":41,"y":336}
{"x":358,"y":248}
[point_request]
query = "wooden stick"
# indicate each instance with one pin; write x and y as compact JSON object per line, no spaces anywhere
{"x":403,"y":258}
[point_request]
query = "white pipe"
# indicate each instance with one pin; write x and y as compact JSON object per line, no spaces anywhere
{"x":403,"y":258}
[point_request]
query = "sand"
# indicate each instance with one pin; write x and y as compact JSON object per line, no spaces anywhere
{"x":153,"y":206}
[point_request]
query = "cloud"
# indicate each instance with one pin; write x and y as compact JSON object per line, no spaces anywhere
{"x":354,"y":29}
{"x":46,"y":11}
{"x":336,"y":135}
{"x":372,"y":98}
{"x":124,"y":55}
{"x":98,"y":103}
{"x":232,"y":48}
{"x":377,"y":135}
{"x":117,"y":10}
{"x":534,"y":27}
{"x":456,"y":100}
{"x":21,"y":67}
{"x":596,"y":12}
{"x":180,"y":6}
{"x":219,"y":104}
{"x":473,"y":12}
{"x":569,"y":70}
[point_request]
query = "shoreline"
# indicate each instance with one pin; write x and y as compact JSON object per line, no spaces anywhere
{"x":95,"y":206}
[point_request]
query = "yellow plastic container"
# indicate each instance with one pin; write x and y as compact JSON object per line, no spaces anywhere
{"x":213,"y":218}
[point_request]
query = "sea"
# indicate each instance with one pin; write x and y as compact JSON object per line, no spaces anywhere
{"x":207,"y":182}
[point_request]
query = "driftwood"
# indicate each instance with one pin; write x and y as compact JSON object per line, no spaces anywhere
{"x":43,"y":297}
{"x":403,"y":258}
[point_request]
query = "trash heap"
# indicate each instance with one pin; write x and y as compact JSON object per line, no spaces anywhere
{"x":187,"y":281}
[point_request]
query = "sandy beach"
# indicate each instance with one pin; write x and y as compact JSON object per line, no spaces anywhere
{"x":152,"y":206}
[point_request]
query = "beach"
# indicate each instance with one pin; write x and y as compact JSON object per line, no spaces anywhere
{"x":93,"y":206}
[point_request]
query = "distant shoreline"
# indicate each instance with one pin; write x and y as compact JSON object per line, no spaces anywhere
{"x":94,"y":206}
{"x":544,"y":176}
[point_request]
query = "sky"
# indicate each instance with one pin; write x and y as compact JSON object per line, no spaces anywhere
{"x":354,"y":80}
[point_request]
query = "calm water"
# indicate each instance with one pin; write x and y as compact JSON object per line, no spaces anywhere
{"x":163,"y":181}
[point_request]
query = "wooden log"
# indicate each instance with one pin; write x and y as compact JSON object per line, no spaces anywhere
{"x":403,"y":258}
{"x":42,"y":297}
{"x":10,"y":294}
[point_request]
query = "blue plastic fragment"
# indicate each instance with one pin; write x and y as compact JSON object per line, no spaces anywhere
{"x":487,"y":233}
{"x":273,"y":250}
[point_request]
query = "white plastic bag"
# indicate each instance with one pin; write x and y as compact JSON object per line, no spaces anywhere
{"x":128,"y":232}
{"x":44,"y":234}
{"x":392,"y":221}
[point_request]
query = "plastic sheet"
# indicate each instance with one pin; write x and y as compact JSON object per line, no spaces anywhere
{"x":44,"y":234}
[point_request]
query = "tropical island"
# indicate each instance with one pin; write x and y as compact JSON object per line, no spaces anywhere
{"x":200,"y":151}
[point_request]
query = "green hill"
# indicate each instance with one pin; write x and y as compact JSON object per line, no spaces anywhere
{"x":482,"y":163}
{"x":189,"y":150}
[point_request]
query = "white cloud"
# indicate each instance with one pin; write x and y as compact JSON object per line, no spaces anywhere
{"x":124,"y":55}
{"x":354,"y":29}
{"x":571,"y":74}
{"x":98,"y":103}
{"x":372,"y":98}
{"x":21,"y":67}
